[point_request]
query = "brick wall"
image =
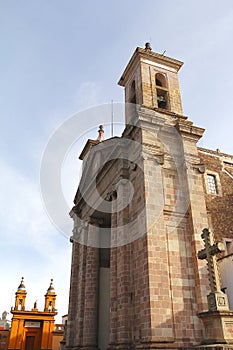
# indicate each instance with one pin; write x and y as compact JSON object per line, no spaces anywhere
{"x":219,"y":206}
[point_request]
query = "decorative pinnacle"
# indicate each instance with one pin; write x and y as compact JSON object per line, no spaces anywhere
{"x":21,"y":286}
{"x":51,"y":287}
{"x":148,"y":47}
{"x":101,"y":133}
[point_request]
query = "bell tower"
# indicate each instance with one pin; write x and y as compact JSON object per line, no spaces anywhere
{"x":151,"y":80}
{"x":20,"y":297}
{"x":50,"y":298}
{"x":155,"y":286}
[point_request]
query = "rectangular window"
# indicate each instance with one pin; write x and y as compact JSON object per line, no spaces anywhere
{"x":229,"y":246}
{"x":212,"y":186}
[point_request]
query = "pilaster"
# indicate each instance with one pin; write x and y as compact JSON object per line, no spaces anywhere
{"x":90,"y":322}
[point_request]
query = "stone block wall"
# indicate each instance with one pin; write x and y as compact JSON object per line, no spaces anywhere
{"x":219,"y":206}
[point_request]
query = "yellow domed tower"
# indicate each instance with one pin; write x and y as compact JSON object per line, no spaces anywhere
{"x":32,"y":329}
{"x":20,"y":296}
{"x":50,"y":298}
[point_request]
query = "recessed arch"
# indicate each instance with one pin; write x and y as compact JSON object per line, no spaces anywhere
{"x":160,"y":80}
{"x":132,"y":95}
{"x":162,"y":91}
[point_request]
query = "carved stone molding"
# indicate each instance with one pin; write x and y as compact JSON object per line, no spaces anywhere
{"x":157,"y":158}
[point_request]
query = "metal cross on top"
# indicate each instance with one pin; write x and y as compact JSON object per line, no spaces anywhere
{"x":217,"y":300}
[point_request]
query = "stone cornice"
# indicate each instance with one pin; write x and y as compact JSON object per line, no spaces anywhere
{"x":216,"y":153}
{"x":32,"y":314}
{"x":89,"y":144}
{"x":140,"y":54}
{"x":188,"y":130}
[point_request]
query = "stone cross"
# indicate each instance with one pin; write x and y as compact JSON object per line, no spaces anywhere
{"x":217,"y":300}
{"x":209,"y":253}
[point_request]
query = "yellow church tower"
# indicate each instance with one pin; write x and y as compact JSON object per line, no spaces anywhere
{"x":20,"y":296}
{"x":32,"y":329}
{"x":50,"y":298}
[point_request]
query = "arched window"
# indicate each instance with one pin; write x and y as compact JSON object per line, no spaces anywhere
{"x":158,"y":82}
{"x":162,"y":91}
{"x":133,"y":98}
{"x":50,"y":308}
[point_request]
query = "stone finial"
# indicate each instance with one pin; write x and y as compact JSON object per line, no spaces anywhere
{"x":35,"y":306}
{"x":21,"y":286}
{"x":148,"y":47}
{"x":101,"y":133}
{"x":51,"y":287}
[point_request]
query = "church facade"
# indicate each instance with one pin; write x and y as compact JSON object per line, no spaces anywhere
{"x":139,"y":277}
{"x":32,"y":329}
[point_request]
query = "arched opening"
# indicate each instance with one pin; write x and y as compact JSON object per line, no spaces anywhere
{"x":50,"y":308}
{"x":133,"y":98}
{"x":161,"y":91}
{"x":161,"y":80}
{"x":20,"y":307}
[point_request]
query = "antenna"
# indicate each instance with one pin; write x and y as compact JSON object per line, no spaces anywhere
{"x":112,"y":118}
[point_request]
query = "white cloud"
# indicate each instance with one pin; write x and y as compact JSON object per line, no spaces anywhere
{"x":30,"y":245}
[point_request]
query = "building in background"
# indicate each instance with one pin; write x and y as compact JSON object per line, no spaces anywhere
{"x":34,"y":329}
{"x":4,"y":330}
{"x":218,"y":189}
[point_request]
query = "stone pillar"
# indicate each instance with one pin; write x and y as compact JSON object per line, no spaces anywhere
{"x":90,"y":322}
{"x":74,"y":285}
{"x":197,"y":207}
{"x":113,"y":275}
{"x":123,"y":269}
{"x":13,"y":336}
{"x":159,"y":296}
{"x":81,"y":288}
{"x":45,"y":336}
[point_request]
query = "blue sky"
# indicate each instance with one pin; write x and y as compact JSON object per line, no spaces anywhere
{"x":59,"y":57}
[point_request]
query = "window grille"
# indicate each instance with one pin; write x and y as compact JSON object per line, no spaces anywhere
{"x":212,"y":186}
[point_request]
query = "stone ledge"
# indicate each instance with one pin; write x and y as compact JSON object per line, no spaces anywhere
{"x":209,"y":347}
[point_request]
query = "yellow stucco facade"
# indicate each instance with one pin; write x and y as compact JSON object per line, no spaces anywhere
{"x":32,"y":330}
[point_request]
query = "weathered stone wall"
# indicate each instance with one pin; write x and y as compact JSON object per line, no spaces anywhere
{"x":219,"y":206}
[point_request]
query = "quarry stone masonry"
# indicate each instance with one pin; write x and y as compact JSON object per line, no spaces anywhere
{"x":139,"y":212}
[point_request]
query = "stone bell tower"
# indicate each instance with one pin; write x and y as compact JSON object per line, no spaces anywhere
{"x":151,"y":80}
{"x":136,"y":281}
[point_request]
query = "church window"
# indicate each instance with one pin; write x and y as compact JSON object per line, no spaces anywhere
{"x":212,"y":185}
{"x":161,"y":91}
{"x":20,"y":304}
